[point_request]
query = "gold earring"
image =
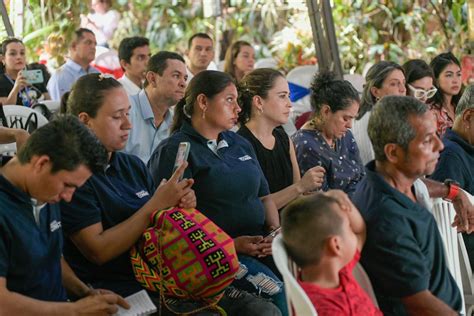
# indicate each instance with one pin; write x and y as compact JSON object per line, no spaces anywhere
{"x":204,"y":114}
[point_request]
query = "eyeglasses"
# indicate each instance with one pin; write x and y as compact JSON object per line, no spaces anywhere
{"x":421,"y":93}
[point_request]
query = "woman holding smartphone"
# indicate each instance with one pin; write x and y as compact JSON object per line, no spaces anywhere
{"x":231,"y":189}
{"x":14,"y":87}
{"x":109,"y":213}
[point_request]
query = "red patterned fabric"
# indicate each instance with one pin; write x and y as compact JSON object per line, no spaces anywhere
{"x":443,"y":121}
{"x":347,"y":299}
{"x":184,"y":254}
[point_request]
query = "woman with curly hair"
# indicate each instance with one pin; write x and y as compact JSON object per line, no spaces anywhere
{"x":326,"y":140}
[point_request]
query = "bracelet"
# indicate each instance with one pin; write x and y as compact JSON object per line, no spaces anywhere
{"x":454,"y":189}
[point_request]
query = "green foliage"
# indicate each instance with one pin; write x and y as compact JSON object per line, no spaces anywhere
{"x":366,"y":30}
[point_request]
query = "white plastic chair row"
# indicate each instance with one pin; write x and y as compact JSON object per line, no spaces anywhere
{"x":444,"y":213}
{"x":18,"y":116}
{"x":456,"y":253}
{"x":299,"y":303}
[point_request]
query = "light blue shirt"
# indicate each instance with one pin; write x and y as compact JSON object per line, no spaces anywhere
{"x":66,"y":75}
{"x":144,"y":136}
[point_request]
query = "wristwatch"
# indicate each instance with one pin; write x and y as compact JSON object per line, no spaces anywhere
{"x":454,"y":189}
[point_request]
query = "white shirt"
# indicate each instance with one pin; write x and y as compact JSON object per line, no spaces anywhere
{"x":106,"y":24}
{"x":361,"y":135}
{"x":129,"y":85}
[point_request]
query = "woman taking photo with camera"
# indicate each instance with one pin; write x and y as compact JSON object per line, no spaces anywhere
{"x":14,"y":87}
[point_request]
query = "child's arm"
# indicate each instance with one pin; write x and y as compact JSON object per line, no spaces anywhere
{"x":355,"y":219}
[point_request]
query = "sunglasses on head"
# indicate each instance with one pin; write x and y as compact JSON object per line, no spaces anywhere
{"x":421,"y":93}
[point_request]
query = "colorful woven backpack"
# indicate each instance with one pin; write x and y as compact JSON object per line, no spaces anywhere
{"x":183,"y":254}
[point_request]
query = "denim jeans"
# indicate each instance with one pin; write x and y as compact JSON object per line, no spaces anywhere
{"x":257,"y":278}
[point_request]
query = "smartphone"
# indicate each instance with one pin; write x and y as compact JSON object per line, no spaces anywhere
{"x":181,"y":155}
{"x":272,"y":234}
{"x":33,"y":76}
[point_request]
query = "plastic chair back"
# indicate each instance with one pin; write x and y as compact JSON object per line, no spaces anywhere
{"x":266,"y":63}
{"x":298,"y":302}
{"x":20,"y":117}
{"x":363,"y":279}
{"x":444,"y":213}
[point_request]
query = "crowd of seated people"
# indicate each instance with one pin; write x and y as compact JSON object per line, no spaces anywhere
{"x":86,"y":184}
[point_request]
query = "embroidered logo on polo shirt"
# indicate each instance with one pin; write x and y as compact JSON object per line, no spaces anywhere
{"x":142,"y":194}
{"x":54,"y":225}
{"x":244,"y":158}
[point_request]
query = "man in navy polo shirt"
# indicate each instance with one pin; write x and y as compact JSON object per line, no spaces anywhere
{"x":55,"y":160}
{"x":404,"y":254}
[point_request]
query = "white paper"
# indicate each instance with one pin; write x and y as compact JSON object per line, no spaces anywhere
{"x":140,"y":305}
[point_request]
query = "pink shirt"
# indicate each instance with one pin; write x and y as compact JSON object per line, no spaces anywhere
{"x":347,"y":299}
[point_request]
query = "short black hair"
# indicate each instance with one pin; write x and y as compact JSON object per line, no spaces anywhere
{"x":314,"y":216}
{"x":198,"y":35}
{"x":68,"y":143}
{"x":128,"y":44}
{"x":159,"y":62}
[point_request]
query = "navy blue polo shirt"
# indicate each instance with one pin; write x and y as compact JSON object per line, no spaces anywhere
{"x":30,"y":252}
{"x":109,"y":198}
{"x":228,"y":185}
{"x":404,"y":253}
{"x":456,"y":161}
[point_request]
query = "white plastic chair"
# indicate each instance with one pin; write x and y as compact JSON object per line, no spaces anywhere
{"x":444,"y":213}
{"x":298,"y":302}
{"x":266,"y":63}
{"x":52,"y":105}
{"x":17,"y":117}
{"x":302,"y":76}
{"x":466,"y":272}
{"x":363,"y":279}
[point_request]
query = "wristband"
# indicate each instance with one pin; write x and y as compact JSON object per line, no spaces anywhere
{"x":454,"y":189}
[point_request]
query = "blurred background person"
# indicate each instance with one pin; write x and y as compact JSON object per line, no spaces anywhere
{"x":447,"y":72}
{"x":239,"y":59}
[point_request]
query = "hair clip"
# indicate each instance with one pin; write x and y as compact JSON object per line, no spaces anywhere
{"x":105,"y":76}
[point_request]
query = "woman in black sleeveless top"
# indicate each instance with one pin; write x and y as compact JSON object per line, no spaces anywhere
{"x":265,"y":103}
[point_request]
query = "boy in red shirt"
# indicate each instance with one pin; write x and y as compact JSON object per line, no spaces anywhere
{"x":324,"y":234}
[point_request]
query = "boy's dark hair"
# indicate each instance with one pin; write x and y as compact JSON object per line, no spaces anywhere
{"x":159,"y":62}
{"x":128,"y":44}
{"x":198,"y":35}
{"x":309,"y":216}
{"x":68,"y":143}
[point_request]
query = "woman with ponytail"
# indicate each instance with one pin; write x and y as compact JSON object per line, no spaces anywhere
{"x":230,"y":187}
{"x":265,"y":103}
{"x":326,"y":139}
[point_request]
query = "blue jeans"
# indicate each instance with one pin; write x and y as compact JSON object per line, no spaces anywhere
{"x":257,"y":278}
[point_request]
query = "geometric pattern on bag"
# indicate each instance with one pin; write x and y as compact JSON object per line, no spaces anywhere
{"x":184,"y":254}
